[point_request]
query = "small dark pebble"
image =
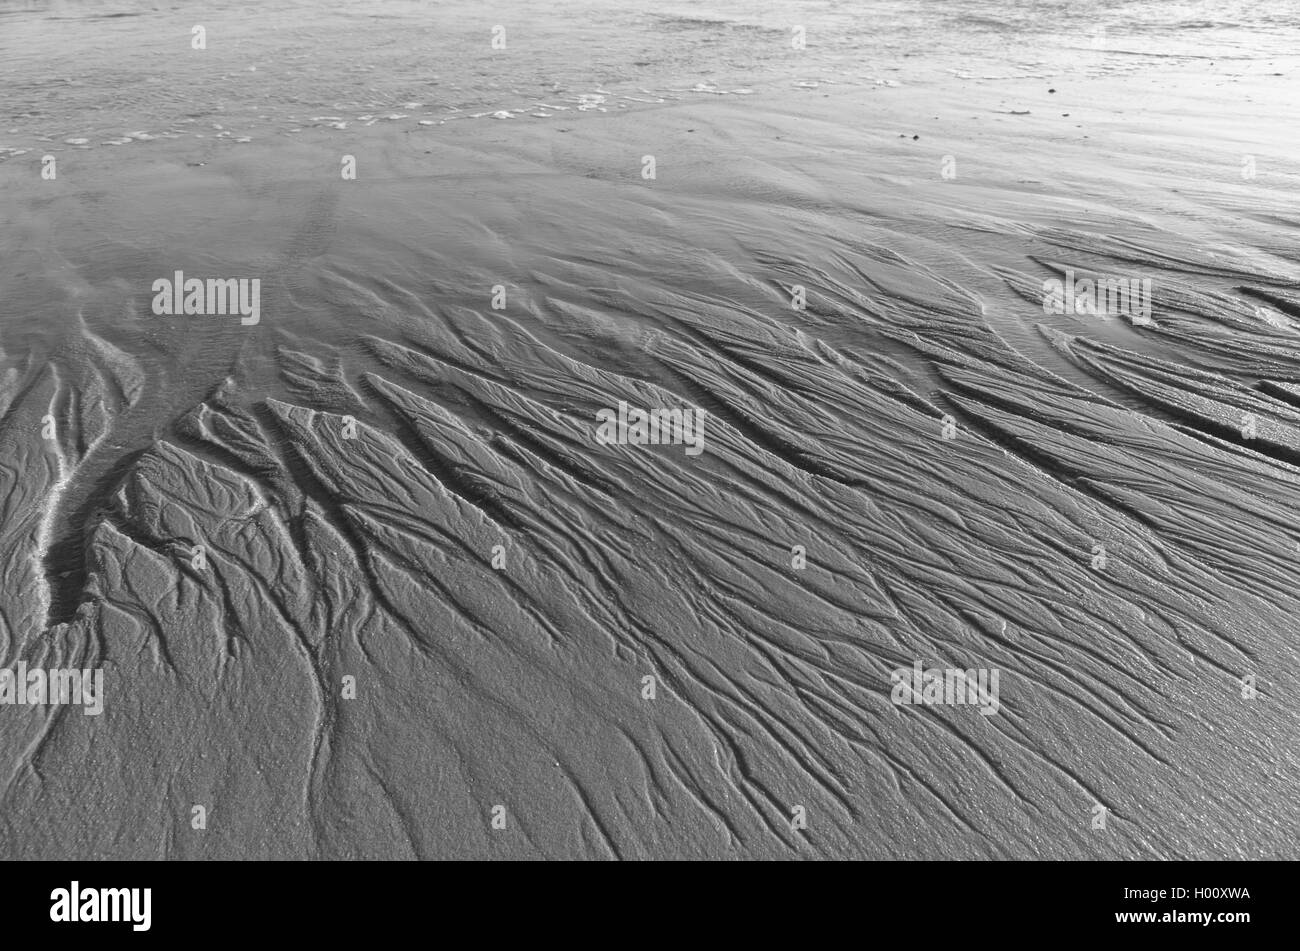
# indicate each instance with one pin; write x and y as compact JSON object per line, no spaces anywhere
{"x":1051,"y":90}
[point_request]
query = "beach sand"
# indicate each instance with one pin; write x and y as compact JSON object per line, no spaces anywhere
{"x":840,"y":260}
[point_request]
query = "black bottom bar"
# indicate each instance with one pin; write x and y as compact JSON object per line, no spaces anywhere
{"x":957,"y":902}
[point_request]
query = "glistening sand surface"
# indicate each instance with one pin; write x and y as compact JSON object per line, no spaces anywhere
{"x":371,"y":557}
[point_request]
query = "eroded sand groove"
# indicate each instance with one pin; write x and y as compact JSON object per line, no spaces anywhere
{"x":350,"y":530}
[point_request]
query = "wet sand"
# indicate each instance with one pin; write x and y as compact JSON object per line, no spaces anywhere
{"x":396,"y":482}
